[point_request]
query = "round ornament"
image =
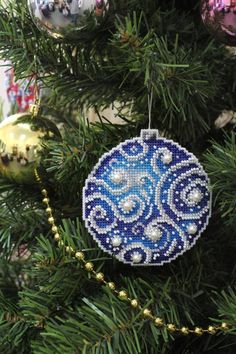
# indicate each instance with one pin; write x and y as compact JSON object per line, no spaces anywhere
{"x":61,"y":18}
{"x":147,"y":200}
{"x":18,"y":149}
{"x":220,"y":18}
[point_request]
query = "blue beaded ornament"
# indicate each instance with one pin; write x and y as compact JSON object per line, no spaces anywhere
{"x":147,"y":201}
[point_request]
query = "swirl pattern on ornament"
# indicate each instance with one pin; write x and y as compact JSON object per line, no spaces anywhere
{"x":147,"y":200}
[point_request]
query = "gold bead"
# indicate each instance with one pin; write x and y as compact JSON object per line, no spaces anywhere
{"x":171,"y":327}
{"x":134,"y":303}
{"x":184,"y":330}
{"x":55,"y":229}
{"x":147,"y":313}
{"x":159,"y":322}
{"x":198,"y":331}
{"x":111,"y":286}
{"x":123,"y":295}
{"x":69,"y":249}
{"x":44,"y":192}
{"x":49,"y":210}
{"x":45,"y":200}
{"x":100,"y":276}
{"x":61,"y":243}
{"x":211,"y":329}
{"x":89,"y":266}
{"x":224,"y":326}
{"x":57,"y":237}
{"x":80,"y":256}
{"x":51,"y":220}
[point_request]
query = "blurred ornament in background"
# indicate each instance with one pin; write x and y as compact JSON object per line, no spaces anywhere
{"x":226,"y":117}
{"x":19,"y":145}
{"x":114,"y":114}
{"x":219,"y":16}
{"x":20,"y":93}
{"x":61,"y":18}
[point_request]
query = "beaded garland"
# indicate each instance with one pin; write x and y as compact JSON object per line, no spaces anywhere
{"x":121,"y":294}
{"x":147,"y":200}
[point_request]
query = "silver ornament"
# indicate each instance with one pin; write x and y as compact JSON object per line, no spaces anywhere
{"x":60,"y":18}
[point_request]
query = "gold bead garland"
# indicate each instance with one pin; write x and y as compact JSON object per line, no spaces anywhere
{"x":121,"y":294}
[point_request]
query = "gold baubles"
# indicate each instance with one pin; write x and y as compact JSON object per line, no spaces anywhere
{"x":19,"y":146}
{"x":64,"y":18}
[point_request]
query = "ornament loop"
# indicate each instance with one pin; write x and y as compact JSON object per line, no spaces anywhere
{"x":150,"y":102}
{"x":35,"y":108}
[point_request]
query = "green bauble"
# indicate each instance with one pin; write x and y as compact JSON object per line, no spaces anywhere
{"x":19,"y":145}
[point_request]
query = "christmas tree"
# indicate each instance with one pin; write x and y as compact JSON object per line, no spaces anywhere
{"x":59,"y":292}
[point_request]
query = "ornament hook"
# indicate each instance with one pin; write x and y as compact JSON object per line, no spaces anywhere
{"x":150,"y":102}
{"x":35,"y":107}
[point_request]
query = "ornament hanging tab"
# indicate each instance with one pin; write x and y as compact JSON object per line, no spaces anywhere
{"x":34,"y":108}
{"x":149,"y":134}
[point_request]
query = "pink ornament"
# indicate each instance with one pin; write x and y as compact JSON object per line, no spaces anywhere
{"x":219,"y":16}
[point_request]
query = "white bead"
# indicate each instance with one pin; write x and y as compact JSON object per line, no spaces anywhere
{"x":195,"y":196}
{"x":116,"y":241}
{"x":192,"y":229}
{"x":154,"y":234}
{"x":127,"y":206}
{"x":167,"y":158}
{"x":136,"y":257}
{"x":117,"y":177}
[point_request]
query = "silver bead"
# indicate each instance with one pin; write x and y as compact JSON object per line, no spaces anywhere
{"x":136,"y":257}
{"x":195,"y":196}
{"x":154,"y":234}
{"x":117,"y":177}
{"x":128,"y":205}
{"x":167,"y":158}
{"x":116,"y":241}
{"x":192,"y":229}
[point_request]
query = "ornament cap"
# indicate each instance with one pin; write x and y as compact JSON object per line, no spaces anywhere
{"x":35,"y":108}
{"x":149,"y":134}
